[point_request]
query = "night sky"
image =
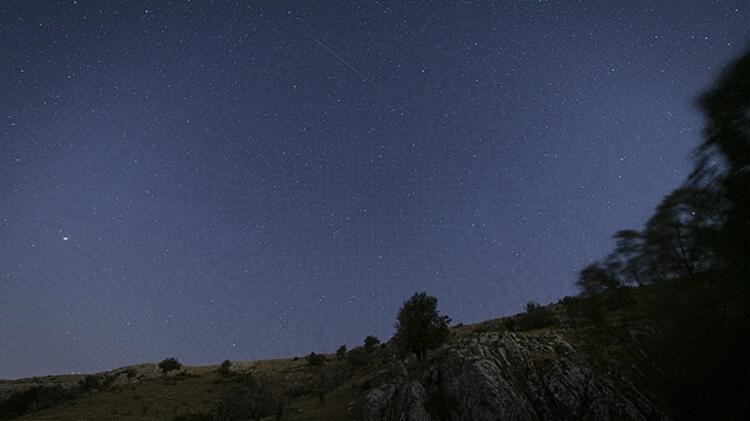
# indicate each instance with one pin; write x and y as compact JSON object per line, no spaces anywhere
{"x":213,"y":180}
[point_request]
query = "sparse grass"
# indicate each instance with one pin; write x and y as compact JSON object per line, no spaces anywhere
{"x":199,"y":388}
{"x":156,"y":399}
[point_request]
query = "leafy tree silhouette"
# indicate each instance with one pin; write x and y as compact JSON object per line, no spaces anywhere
{"x":594,"y":279}
{"x":727,"y":109}
{"x":169,"y":364}
{"x":679,"y":236}
{"x":627,"y":257}
{"x":419,"y":326}
{"x":700,"y":231}
{"x":371,"y":342}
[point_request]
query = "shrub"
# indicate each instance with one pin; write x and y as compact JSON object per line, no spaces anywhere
{"x":316,"y":359}
{"x":535,"y":317}
{"x":225,"y":368}
{"x":371,"y":342}
{"x":247,"y":398}
{"x":357,"y":356}
{"x":568,"y":300}
{"x":169,"y":364}
{"x":341,"y":352}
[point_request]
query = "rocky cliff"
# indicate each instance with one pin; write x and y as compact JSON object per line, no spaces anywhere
{"x":508,"y":376}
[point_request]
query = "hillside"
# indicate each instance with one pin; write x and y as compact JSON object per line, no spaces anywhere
{"x":582,"y":358}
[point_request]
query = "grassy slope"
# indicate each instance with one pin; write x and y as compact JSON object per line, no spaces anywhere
{"x":199,"y":388}
{"x":612,"y":344}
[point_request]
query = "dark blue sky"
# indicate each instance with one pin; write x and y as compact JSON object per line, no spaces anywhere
{"x":212,"y":180}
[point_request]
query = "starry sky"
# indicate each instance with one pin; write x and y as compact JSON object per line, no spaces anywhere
{"x":213,"y":180}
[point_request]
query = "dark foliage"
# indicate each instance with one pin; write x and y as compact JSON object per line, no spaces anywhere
{"x":586,"y":310}
{"x":315,"y":359}
{"x":419,"y":326}
{"x":43,"y":397}
{"x":169,"y":364}
{"x":34,"y":399}
{"x":326,"y":380}
{"x":619,"y":298}
{"x":535,"y":317}
{"x":357,"y":356}
{"x":695,"y":249}
{"x":594,"y":279}
{"x":679,"y":241}
{"x":727,"y":107}
{"x":225,"y":369}
{"x":341,"y":352}
{"x":246,"y":398}
{"x":371,"y":343}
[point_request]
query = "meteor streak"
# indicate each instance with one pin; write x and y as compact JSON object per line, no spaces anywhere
{"x":354,"y":69}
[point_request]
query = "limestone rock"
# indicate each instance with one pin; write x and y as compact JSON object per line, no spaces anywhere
{"x":508,"y":376}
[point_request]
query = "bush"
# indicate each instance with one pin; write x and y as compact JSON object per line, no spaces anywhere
{"x":169,"y":364}
{"x":535,"y":317}
{"x":371,"y":342}
{"x":568,"y":300}
{"x":341,"y":352}
{"x":316,"y":359}
{"x":247,"y":398}
{"x":357,"y":356}
{"x":225,"y":368}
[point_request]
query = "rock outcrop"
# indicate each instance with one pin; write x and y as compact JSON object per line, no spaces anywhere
{"x":508,"y":376}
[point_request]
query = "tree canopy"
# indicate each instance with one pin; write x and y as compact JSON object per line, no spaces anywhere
{"x":169,"y":364}
{"x":419,"y":325}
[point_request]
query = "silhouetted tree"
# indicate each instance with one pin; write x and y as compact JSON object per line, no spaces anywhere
{"x":341,"y":352}
{"x":225,"y":368}
{"x":727,"y":109}
{"x":371,"y":342}
{"x":678,"y":237}
{"x":594,"y":279}
{"x":628,"y":255}
{"x":169,"y":364}
{"x":701,"y":228}
{"x":419,"y":326}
